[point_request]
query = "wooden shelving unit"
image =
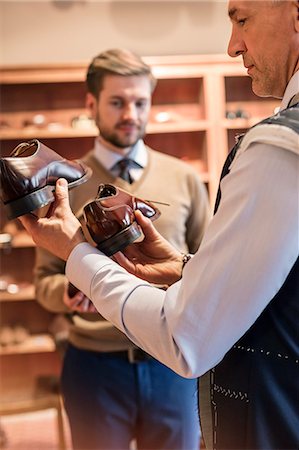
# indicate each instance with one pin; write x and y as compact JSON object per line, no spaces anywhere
{"x":199,"y":105}
{"x":26,"y":293}
{"x":39,"y":343}
{"x":183,"y":118}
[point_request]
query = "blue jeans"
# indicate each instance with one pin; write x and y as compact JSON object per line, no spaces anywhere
{"x":110,"y":401}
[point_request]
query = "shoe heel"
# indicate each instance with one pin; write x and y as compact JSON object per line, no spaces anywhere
{"x":30,"y":202}
{"x":121,"y":240}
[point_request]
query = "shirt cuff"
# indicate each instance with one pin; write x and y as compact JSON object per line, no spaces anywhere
{"x":83,"y":263}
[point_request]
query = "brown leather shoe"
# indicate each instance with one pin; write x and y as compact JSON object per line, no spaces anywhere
{"x":29,"y":174}
{"x":110,"y":218}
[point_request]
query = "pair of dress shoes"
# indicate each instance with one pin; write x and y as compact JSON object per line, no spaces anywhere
{"x":28,"y":178}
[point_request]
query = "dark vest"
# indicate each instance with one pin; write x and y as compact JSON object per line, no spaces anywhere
{"x":250,"y":400}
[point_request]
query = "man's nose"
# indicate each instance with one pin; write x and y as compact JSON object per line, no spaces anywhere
{"x":236,"y":45}
{"x":130,"y":112}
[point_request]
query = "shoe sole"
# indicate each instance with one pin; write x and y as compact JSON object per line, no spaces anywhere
{"x":121,"y":240}
{"x":38,"y":199}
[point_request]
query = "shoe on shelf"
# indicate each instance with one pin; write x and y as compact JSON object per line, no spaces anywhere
{"x":110,"y":218}
{"x":6,"y":336}
{"x":29,"y":174}
{"x":21,"y":334}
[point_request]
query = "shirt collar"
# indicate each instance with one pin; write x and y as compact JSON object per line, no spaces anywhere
{"x":291,"y":90}
{"x":108,"y":158}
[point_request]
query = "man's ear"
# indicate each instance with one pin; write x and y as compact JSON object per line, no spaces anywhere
{"x":91,"y":104}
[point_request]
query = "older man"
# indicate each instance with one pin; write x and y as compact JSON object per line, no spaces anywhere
{"x":233,"y":315}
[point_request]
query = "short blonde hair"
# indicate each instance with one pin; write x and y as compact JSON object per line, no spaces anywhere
{"x":116,"y":62}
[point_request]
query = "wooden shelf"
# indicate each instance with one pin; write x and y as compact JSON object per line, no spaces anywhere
{"x":163,"y":67}
{"x":48,"y":73}
{"x":41,"y":343}
{"x":254,"y":112}
{"x":163,"y":119}
{"x":68,"y":132}
{"x":237,"y":124}
{"x":177,"y":127}
{"x":45,"y":133}
{"x":24,"y":294}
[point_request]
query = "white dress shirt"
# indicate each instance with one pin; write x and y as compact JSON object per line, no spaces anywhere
{"x":246,"y":254}
{"x":109,"y":159}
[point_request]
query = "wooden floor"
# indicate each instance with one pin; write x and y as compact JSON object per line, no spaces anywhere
{"x":35,"y":431}
{"x":32,"y":431}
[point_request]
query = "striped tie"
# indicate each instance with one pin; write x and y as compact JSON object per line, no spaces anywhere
{"x":123,"y":167}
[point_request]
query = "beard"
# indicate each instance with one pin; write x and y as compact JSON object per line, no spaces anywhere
{"x":267,"y":83}
{"x":120,"y":140}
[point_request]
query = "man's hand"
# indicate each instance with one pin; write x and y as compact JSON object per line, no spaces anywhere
{"x":78,"y":301}
{"x":153,"y":259}
{"x":59,"y":232}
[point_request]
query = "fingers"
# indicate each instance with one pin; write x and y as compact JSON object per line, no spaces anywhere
{"x":61,"y":200}
{"x":30,"y":223}
{"x":61,"y":191}
{"x":123,"y":261}
{"x":73,"y":301}
{"x":85,"y":305}
{"x":62,"y":195}
{"x":79,"y":302}
{"x":28,"y":220}
{"x":148,"y":228}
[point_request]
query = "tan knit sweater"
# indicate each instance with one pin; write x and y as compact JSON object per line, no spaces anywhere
{"x":165,"y":179}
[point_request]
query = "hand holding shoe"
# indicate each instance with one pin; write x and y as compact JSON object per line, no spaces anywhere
{"x":154,"y":259}
{"x":110,"y":218}
{"x":29,"y":174}
{"x":60,"y":231}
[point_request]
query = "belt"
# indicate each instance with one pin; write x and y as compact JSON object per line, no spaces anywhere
{"x":132,"y":355}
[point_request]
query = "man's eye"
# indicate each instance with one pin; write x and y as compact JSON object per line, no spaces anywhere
{"x":141,"y":104}
{"x":241,"y":22}
{"x":116,"y":103}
